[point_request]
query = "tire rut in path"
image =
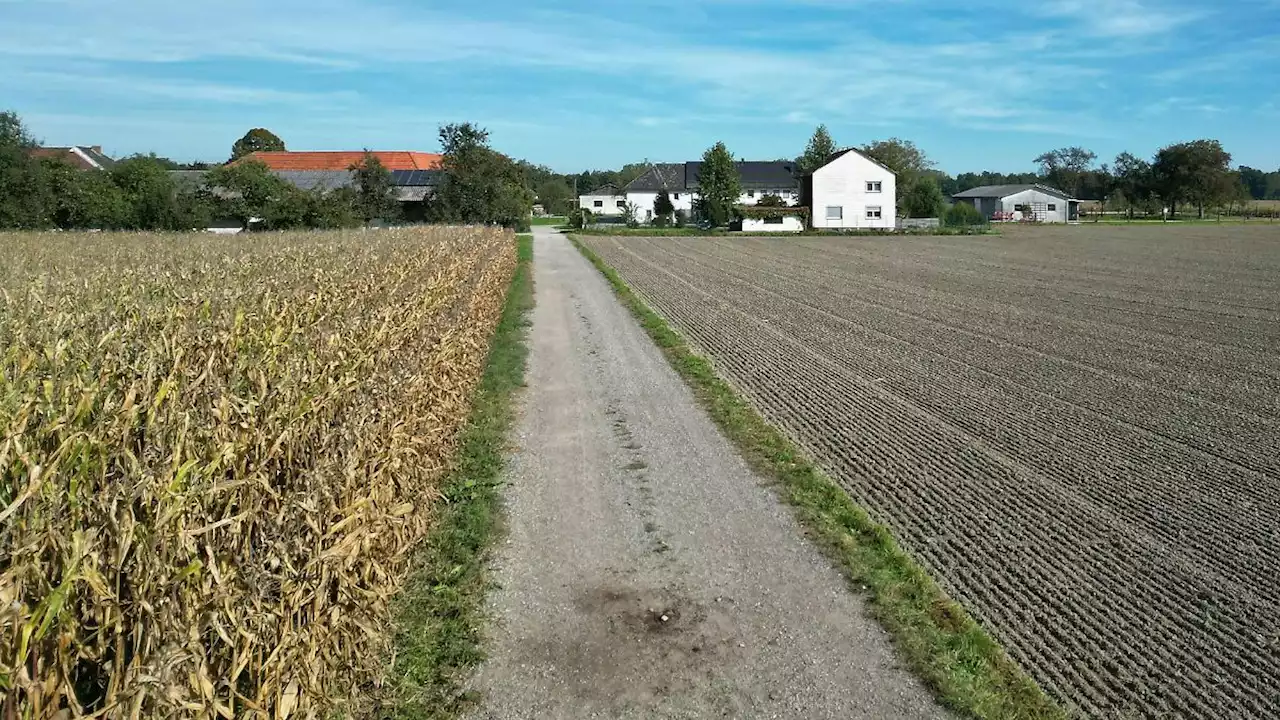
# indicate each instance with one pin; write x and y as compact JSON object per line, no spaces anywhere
{"x":647,"y":572}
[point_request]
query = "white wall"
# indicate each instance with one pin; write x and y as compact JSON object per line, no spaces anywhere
{"x":608,"y":204}
{"x":790,"y":194}
{"x":1029,"y":197}
{"x":790,"y":223}
{"x":682,"y":200}
{"x":843,"y":183}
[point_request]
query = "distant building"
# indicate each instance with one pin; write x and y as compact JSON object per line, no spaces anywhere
{"x":1016,"y":203}
{"x":343,"y":160}
{"x":851,"y":191}
{"x":604,"y":200}
{"x":84,"y":157}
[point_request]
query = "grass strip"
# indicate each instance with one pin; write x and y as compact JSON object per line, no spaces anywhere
{"x":966,"y":669}
{"x":441,"y":609}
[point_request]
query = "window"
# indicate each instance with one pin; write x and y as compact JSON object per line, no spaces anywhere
{"x":676,"y":196}
{"x":873,"y":212}
{"x":751,"y":193}
{"x":773,"y":220}
{"x":599,"y":203}
{"x":1053,"y":207}
{"x":873,"y":187}
{"x":835,"y":212}
{"x":622,"y":203}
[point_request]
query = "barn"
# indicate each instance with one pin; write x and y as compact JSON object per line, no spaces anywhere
{"x":1017,"y":203}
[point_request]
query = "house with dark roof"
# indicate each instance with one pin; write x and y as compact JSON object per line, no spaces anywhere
{"x":680,"y":181}
{"x":83,"y":157}
{"x":850,"y":191}
{"x":1023,"y":202}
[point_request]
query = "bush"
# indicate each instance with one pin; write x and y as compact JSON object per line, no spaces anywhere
{"x":962,"y":214}
{"x":581,"y":218}
{"x":682,"y":218}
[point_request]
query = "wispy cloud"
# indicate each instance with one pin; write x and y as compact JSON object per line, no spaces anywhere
{"x":759,"y":69}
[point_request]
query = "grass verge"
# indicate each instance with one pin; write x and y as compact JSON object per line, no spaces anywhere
{"x":622,"y":231}
{"x":941,"y":643}
{"x":440,"y":612}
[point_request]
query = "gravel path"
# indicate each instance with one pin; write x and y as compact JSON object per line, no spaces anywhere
{"x":647,"y":572}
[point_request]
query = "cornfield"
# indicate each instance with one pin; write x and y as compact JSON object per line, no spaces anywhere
{"x":217,"y":455}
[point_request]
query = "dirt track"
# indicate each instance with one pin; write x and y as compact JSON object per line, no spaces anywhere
{"x":646,"y":572}
{"x":1076,"y":429}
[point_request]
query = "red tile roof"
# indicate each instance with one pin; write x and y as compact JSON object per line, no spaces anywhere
{"x":344,"y":160}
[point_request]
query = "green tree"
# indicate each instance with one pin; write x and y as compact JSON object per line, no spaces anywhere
{"x":819,"y":148}
{"x":1255,"y":180}
{"x":962,"y":214}
{"x":719,"y":185}
{"x":1066,"y":167}
{"x":256,"y":140}
{"x":24,"y":196}
{"x":1133,"y":181}
{"x":250,"y":191}
{"x":663,"y":209}
{"x":479,"y":185}
{"x":924,"y":199}
{"x":1198,"y":172}
{"x":375,"y":190}
{"x":908,"y":162}
{"x":555,"y":195}
{"x":149,"y":193}
{"x":81,"y":199}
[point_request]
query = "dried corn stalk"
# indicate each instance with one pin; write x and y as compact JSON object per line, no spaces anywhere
{"x":215,"y":455}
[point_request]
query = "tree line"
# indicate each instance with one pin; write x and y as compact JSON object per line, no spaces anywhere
{"x":478,"y":185}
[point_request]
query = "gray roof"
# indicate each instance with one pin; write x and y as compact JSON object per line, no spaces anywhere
{"x":659,"y":176}
{"x":841,"y":153}
{"x":751,"y":174}
{"x":410,"y":185}
{"x":606,"y":189}
{"x":1003,"y":191}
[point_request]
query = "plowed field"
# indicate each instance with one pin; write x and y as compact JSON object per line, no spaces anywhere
{"x":1076,"y":430}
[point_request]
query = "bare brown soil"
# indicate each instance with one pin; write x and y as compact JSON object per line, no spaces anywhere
{"x":1077,"y":430}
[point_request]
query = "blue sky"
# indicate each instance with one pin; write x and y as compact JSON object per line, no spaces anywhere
{"x":577,"y":83}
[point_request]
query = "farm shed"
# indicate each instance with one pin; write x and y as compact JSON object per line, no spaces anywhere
{"x":1032,"y":203}
{"x":852,"y":191}
{"x":604,"y":200}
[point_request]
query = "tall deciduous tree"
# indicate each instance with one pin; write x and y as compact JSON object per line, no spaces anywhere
{"x":149,"y":192}
{"x":256,"y":140}
{"x":24,"y":201}
{"x":1198,"y":172}
{"x":1066,"y":167}
{"x":480,"y":185}
{"x":252,"y":191}
{"x":924,"y":199}
{"x":375,"y":190}
{"x":820,"y":147}
{"x":908,"y":162}
{"x":719,"y":185}
{"x":1133,"y":181}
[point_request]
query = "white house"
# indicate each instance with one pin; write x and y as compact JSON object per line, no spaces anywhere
{"x":604,"y":200}
{"x":1029,"y":202}
{"x":852,"y":191}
